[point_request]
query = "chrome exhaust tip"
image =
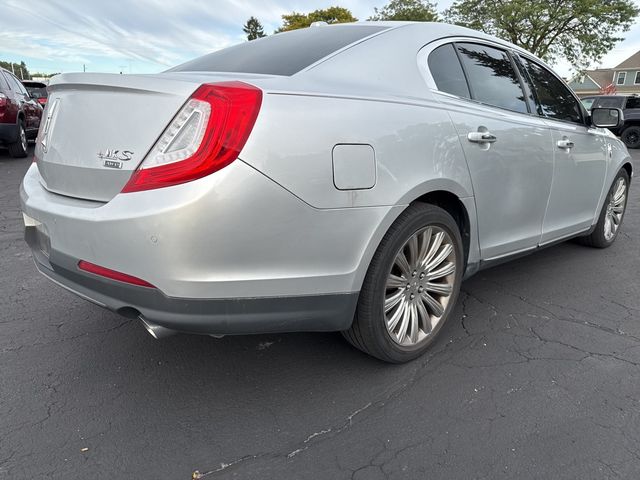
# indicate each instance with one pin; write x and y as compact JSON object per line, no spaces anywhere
{"x":156,"y":331}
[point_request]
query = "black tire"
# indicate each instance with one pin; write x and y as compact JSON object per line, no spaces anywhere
{"x":369,"y":329}
{"x":597,"y":238}
{"x":18,"y":149}
{"x":631,"y":136}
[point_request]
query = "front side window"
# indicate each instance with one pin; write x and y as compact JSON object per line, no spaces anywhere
{"x":447,"y":72}
{"x":555,"y":100}
{"x":491,"y":77}
{"x":621,"y":78}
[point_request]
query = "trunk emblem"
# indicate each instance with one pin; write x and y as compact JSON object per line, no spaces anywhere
{"x":114,"y":158}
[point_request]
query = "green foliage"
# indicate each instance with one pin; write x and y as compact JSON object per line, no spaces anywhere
{"x":296,"y":20}
{"x":407,"y":11}
{"x":20,"y":69}
{"x":253,"y":28}
{"x":44,"y":75}
{"x":582,"y":31}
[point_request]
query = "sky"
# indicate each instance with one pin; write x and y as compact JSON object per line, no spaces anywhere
{"x":149,"y":36}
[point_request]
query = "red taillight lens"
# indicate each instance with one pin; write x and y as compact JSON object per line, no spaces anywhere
{"x":206,"y":135}
{"x":42,"y":101}
{"x":3,"y":100}
{"x":112,"y":274}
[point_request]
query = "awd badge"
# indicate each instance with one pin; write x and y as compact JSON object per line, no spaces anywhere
{"x":114,"y":158}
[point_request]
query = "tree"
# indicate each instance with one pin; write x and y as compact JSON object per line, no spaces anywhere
{"x":20,"y":69}
{"x":253,"y":28}
{"x":407,"y":11}
{"x":295,"y":20}
{"x":581,"y":31}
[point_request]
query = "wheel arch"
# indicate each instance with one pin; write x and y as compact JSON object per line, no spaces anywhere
{"x":453,"y":206}
{"x":453,"y":200}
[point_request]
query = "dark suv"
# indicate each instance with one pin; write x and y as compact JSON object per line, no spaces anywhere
{"x":20,"y":115}
{"x":37,"y":90}
{"x":629,"y":133}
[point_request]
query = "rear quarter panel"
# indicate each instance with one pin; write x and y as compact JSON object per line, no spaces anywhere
{"x":416,"y":148}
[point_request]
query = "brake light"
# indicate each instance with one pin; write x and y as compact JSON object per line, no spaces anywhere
{"x":205,"y":136}
{"x":3,"y":100}
{"x":112,"y":274}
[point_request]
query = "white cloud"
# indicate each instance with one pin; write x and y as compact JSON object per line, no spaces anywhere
{"x":155,"y":34}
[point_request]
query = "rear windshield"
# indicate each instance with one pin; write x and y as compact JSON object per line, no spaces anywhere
{"x":281,"y":53}
{"x":37,"y":92}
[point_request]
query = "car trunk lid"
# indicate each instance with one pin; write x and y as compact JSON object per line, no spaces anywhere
{"x":99,"y":127}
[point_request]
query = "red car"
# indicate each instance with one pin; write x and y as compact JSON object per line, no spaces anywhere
{"x":20,"y":115}
{"x":37,"y":90}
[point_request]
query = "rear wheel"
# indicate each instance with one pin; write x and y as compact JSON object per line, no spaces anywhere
{"x":18,"y":149}
{"x":411,"y":286}
{"x":631,"y":136}
{"x":611,"y":215}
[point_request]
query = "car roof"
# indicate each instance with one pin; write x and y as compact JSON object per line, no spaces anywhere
{"x":31,"y":83}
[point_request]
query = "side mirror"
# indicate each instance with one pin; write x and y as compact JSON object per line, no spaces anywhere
{"x":607,"y":117}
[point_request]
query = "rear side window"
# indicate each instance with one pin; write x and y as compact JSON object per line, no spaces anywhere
{"x":282,"y":53}
{"x":609,"y":102}
{"x":447,"y":72}
{"x":587,"y":102}
{"x":16,"y":85}
{"x":3,"y":82}
{"x":633,"y":102}
{"x":491,"y":76}
{"x":554,"y":98}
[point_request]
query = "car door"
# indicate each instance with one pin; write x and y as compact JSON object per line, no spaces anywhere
{"x":579,"y":153}
{"x":507,"y":148}
{"x":24,"y":103}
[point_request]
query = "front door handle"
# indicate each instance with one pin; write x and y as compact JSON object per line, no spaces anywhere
{"x":481,"y":137}
{"x":565,"y":143}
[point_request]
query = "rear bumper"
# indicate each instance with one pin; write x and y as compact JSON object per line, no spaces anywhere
{"x":230,"y":253}
{"x":309,"y":313}
{"x":233,"y":234}
{"x":8,"y":133}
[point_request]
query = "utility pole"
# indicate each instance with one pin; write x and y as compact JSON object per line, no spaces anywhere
{"x":12,"y":69}
{"x":84,"y":68}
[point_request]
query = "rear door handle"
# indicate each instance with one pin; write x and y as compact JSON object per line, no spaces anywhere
{"x":481,"y":137}
{"x":565,"y":143}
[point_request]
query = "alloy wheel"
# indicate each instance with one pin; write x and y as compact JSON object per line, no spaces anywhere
{"x":615,"y":209}
{"x":23,"y":139}
{"x":419,"y":286}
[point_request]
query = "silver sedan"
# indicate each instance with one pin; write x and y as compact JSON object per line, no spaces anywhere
{"x":337,"y":178}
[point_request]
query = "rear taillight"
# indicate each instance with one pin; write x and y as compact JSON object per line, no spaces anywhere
{"x":206,"y":135}
{"x":3,"y":101}
{"x":112,"y":274}
{"x":42,"y":101}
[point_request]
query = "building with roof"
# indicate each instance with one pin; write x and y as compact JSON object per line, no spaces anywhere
{"x":622,"y":79}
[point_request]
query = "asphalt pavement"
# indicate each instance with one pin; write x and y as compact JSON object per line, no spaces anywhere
{"x":535,"y":376}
